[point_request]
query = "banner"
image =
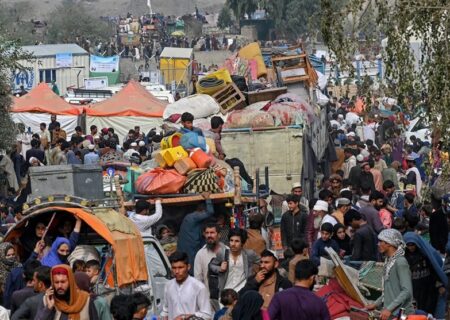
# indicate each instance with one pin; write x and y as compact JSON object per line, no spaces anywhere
{"x":96,"y":83}
{"x":23,"y":78}
{"x":104,"y":64}
{"x":64,"y":60}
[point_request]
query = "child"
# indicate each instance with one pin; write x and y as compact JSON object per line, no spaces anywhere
{"x":79,"y":265}
{"x":300,"y":249}
{"x":93,"y":272}
{"x":187,"y":120}
{"x":325,"y":241}
{"x":228,"y":299}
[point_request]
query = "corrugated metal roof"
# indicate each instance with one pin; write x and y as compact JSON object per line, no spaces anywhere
{"x":184,"y":53}
{"x":47,"y":50}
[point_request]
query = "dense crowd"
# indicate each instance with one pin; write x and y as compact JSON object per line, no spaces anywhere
{"x":373,"y":207}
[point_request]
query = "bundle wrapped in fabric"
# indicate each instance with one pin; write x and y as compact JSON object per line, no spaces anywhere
{"x":286,"y":114}
{"x":249,"y":119}
{"x":201,"y":180}
{"x":160,"y":181}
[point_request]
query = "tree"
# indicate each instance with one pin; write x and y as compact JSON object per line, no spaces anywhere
{"x":224,"y":20}
{"x":407,"y":77}
{"x":71,"y":20}
{"x":242,"y":7}
{"x":293,"y":18}
{"x":10,"y":56}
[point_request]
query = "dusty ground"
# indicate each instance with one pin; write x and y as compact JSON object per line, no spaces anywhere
{"x":41,"y":8}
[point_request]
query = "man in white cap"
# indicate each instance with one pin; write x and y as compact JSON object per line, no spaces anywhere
{"x":397,"y":283}
{"x":316,"y":219}
{"x":92,"y":157}
{"x":296,"y":190}
{"x":322,"y":208}
{"x":132,"y":149}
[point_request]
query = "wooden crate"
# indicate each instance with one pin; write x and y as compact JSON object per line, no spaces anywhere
{"x":230,"y":98}
{"x":265,"y":95}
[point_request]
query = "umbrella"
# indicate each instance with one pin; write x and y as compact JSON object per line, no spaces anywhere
{"x":178,"y":33}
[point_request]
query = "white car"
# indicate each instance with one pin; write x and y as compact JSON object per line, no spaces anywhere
{"x":420,"y":128}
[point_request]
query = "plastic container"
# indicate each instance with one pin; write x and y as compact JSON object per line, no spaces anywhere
{"x":173,"y":154}
{"x":183,"y":166}
{"x":159,"y":158}
{"x":201,"y":158}
{"x":211,"y":144}
{"x":171,"y":141}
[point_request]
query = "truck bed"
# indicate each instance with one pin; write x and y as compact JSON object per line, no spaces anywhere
{"x":278,"y":148}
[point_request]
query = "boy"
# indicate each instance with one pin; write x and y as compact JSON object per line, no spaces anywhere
{"x":300,"y":249}
{"x":187,"y":120}
{"x":93,"y":272}
{"x":325,"y":241}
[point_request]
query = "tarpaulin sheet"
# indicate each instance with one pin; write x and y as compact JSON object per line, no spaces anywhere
{"x":33,"y":120}
{"x":122,"y":125}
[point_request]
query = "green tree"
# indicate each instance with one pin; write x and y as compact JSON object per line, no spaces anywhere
{"x":10,"y":56}
{"x":71,"y":20}
{"x":408,"y":74}
{"x":242,"y":7}
{"x":294,"y":18}
{"x":224,"y":21}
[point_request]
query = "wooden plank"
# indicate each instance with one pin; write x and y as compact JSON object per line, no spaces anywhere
{"x":283,"y":58}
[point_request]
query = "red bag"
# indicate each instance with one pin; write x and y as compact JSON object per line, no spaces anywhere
{"x":160,"y":181}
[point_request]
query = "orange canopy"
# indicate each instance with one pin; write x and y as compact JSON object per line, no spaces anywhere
{"x":43,"y":99}
{"x":133,"y":100}
{"x":130,"y":263}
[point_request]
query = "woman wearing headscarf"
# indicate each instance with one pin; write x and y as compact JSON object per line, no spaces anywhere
{"x":396,"y":280}
{"x":58,"y":253}
{"x":428,"y":277}
{"x":342,"y":239}
{"x":249,"y":307}
{"x":62,"y":247}
{"x":8,"y":261}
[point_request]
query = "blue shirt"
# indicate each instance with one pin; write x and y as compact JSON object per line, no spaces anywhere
{"x":91,"y":158}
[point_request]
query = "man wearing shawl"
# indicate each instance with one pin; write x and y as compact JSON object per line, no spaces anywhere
{"x":397,"y":285}
{"x":64,"y":300}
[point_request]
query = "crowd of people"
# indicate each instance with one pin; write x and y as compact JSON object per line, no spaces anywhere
{"x":373,"y":207}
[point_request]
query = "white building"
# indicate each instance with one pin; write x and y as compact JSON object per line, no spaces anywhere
{"x":66,"y":64}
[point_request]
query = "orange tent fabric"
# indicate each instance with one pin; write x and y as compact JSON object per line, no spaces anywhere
{"x":133,"y":100}
{"x":42,"y":99}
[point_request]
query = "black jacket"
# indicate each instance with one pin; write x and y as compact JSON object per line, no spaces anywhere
{"x":438,"y":230}
{"x":281,"y":283}
{"x":293,"y":226}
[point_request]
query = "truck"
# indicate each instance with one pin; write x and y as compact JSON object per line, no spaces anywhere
{"x":278,"y":148}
